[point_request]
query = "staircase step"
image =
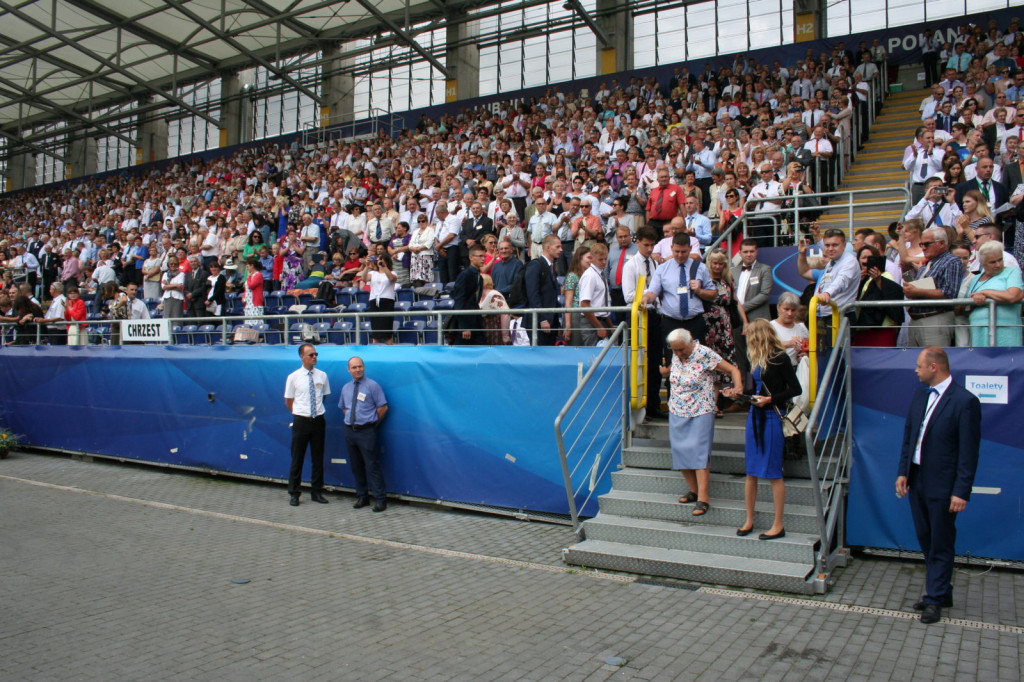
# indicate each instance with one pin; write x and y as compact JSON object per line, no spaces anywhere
{"x":706,"y":568}
{"x":723,"y":486}
{"x":723,"y":460}
{"x":798,"y":518}
{"x":795,"y":547}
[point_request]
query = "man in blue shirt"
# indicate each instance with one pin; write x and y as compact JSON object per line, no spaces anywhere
{"x":682,"y":290}
{"x":504,"y":272}
{"x":364,"y":406}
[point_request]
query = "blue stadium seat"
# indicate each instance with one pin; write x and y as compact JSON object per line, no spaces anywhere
{"x":411,"y":332}
{"x":363,"y":337}
{"x":324,"y":328}
{"x":341,"y":333}
{"x":362,"y":296}
{"x":185,"y":335}
{"x":405,"y":294}
{"x":233,"y":305}
{"x":203,"y":334}
{"x":357,"y":308}
{"x":346,"y":295}
{"x":275,"y":303}
{"x":295,"y":333}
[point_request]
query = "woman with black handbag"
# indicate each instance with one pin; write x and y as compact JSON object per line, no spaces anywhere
{"x":775,"y":384}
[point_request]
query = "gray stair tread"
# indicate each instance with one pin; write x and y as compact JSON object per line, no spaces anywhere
{"x":704,"y":560}
{"x":660,"y":498}
{"x":672,"y":473}
{"x":720,"y":531}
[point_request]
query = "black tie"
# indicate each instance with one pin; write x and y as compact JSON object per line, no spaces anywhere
{"x":647,"y":267}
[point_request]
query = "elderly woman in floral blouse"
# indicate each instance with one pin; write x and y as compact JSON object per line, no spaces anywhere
{"x":691,"y":407}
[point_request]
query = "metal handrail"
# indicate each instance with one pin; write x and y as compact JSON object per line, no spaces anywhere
{"x":834,"y":474}
{"x":638,"y":359}
{"x":287,"y":319}
{"x":934,"y":303}
{"x":794,"y":212}
{"x":563,"y":454}
{"x":812,"y":343}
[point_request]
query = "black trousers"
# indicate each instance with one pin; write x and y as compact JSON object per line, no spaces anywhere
{"x":696,"y":325}
{"x":936,"y":533}
{"x":448,"y":264}
{"x":705,"y":193}
{"x":364,"y":460}
{"x":655,"y":342}
{"x":309,"y":433}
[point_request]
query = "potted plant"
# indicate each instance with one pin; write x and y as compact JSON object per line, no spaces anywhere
{"x":8,"y":441}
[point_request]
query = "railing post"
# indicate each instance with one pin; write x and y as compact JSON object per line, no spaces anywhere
{"x":992,"y":339}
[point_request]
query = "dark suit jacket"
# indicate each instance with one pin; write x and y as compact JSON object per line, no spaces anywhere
{"x":469,"y":231}
{"x":219,"y":289}
{"x":466,"y":292}
{"x":1012,"y":176}
{"x":196,"y":285}
{"x":949,"y":451}
{"x":757,"y":294}
{"x":1000,"y":194}
{"x":541,"y":289}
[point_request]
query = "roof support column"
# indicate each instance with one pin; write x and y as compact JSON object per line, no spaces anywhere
{"x":235,"y":109}
{"x":82,"y":156}
{"x":152,"y":135}
{"x":21,"y":171}
{"x":615,"y":19}
{"x":338,"y":88}
{"x":463,"y":63}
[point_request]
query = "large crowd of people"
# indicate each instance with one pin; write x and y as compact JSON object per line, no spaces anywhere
{"x":573,"y":180}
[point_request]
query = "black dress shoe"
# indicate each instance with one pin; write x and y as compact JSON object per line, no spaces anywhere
{"x":931,"y":614}
{"x":379,"y":505}
{"x":946,"y":604}
{"x":361,"y":502}
{"x":319,"y":497}
{"x":294,"y":501}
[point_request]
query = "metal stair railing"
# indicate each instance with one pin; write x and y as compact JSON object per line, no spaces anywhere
{"x":785,"y":217}
{"x":595,"y":433}
{"x":829,"y":441}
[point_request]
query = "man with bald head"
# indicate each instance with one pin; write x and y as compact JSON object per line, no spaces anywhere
{"x":938,"y":461}
{"x":364,"y":406}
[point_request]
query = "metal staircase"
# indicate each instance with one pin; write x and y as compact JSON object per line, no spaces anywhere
{"x":642,"y":528}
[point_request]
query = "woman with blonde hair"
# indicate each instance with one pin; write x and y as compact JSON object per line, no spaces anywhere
{"x":719,"y":316}
{"x":775,"y":384}
{"x":976,"y":212}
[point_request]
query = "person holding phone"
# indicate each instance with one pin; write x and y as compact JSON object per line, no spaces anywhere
{"x":377,"y":272}
{"x":876,"y":327}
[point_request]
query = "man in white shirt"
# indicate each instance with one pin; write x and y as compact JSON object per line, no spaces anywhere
{"x":56,"y":332}
{"x":541,"y":225}
{"x":925,"y":162}
{"x":447,"y":230}
{"x":517,"y":187}
{"x":936,"y":197}
{"x":594,"y":293}
{"x":762,"y":229}
{"x":988,"y":232}
{"x":304,"y":393}
{"x":838,"y":284}
{"x":210,"y":248}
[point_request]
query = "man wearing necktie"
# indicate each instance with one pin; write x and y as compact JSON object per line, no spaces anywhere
{"x":364,"y":405}
{"x":620,"y":253}
{"x":993,"y":190}
{"x":938,"y":462}
{"x":936,"y":207}
{"x":643,"y":265}
{"x":474,"y":229}
{"x":682,"y":295}
{"x":927,"y":161}
{"x":379,"y":228}
{"x":304,"y":392}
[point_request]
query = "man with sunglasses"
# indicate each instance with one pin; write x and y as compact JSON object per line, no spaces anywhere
{"x":931,"y":326}
{"x":304,"y":392}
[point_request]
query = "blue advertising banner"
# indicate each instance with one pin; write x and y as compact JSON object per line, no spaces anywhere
{"x":992,"y":526}
{"x":472,"y":425}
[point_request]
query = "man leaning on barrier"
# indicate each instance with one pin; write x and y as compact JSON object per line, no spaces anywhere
{"x":939,"y":279}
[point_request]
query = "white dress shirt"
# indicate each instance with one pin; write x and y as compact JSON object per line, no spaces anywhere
{"x":933,"y":401}
{"x":296,"y":387}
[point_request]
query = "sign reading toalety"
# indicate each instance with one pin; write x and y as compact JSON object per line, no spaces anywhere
{"x":989,"y":389}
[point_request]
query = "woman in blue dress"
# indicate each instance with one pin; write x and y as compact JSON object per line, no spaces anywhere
{"x":775,"y":384}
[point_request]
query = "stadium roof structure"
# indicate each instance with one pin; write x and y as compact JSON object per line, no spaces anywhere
{"x":67,"y":61}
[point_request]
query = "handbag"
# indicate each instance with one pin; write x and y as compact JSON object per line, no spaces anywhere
{"x":794,"y":421}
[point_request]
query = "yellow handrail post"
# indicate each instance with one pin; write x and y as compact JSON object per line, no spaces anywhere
{"x":638,"y":348}
{"x":812,"y":343}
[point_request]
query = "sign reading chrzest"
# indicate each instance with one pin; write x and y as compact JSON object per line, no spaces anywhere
{"x":145,"y":330}
{"x":989,"y":389}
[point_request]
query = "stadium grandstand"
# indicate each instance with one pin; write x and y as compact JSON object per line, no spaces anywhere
{"x":188,"y":178}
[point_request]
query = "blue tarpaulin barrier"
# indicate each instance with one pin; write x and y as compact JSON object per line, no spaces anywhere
{"x":469,"y":425}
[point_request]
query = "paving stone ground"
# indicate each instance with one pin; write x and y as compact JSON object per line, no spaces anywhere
{"x":125,"y":572}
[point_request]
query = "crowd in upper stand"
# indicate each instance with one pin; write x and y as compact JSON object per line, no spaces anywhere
{"x":592,"y":168}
